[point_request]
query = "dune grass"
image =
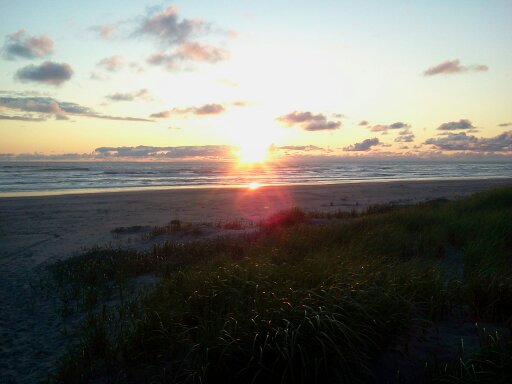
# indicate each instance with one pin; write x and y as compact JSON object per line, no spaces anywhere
{"x":294,"y":302}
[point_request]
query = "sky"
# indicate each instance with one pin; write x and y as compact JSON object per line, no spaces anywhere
{"x":251,"y":80}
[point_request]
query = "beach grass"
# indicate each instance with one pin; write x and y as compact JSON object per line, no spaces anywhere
{"x":299,"y":302}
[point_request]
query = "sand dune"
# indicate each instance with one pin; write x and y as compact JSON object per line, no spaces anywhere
{"x":35,"y":231}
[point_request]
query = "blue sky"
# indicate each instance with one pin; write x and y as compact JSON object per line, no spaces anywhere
{"x":285,"y":74}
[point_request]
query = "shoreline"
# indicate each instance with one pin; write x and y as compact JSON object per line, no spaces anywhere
{"x":40,"y":228}
{"x":101,"y":191}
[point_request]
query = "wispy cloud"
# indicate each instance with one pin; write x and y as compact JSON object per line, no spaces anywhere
{"x":450,"y":67}
{"x":385,"y":128}
{"x":300,"y":151}
{"x":119,"y":118}
{"x":203,"y":110}
{"x":300,"y":148}
{"x":463,"y":142}
{"x":19,"y":44}
{"x":142,"y":94}
{"x":21,"y":118}
{"x":188,"y":52}
{"x":363,"y":146}
{"x":201,"y":52}
{"x":47,"y":107}
{"x":308,"y":121}
{"x":112,"y":63}
{"x":47,"y":73}
{"x":105,"y":31}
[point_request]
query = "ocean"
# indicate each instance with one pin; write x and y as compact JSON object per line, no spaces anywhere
{"x":41,"y":178}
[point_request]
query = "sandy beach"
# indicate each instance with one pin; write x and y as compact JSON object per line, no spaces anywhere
{"x":35,"y":231}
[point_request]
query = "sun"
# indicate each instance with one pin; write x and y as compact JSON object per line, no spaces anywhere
{"x":253,"y":186}
{"x":253,"y":153}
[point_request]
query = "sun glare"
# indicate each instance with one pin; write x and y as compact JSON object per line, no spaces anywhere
{"x":254,"y":185}
{"x":253,"y":153}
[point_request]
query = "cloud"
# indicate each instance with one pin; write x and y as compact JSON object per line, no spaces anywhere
{"x":105,"y":31}
{"x":21,"y":118}
{"x":322,"y":125}
{"x":98,"y":76}
{"x":188,"y":52}
{"x":201,"y":52}
{"x":179,"y":38}
{"x":398,"y":125}
{"x":142,"y":151}
{"x":161,"y":115}
{"x":48,"y":107}
{"x":308,"y":121}
{"x":504,"y":125}
{"x":160,"y":58}
{"x":463,"y":142}
{"x":228,"y":83}
{"x":142,"y":94}
{"x":240,"y":103}
{"x":365,"y":145}
{"x":18,"y":44}
{"x":31,"y":104}
{"x":112,"y":64}
{"x":406,"y":138}
{"x":305,"y":148}
{"x":48,"y":73}
{"x":41,"y":156}
{"x":166,"y":26}
{"x":121,"y":118}
{"x":385,"y":128}
{"x":405,"y":135}
{"x":207,"y":109}
{"x":362,"y":123}
{"x":456,"y":125}
{"x":451,"y":67}
{"x":298,"y":151}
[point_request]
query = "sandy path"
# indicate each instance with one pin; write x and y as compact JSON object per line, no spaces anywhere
{"x":38,"y":230}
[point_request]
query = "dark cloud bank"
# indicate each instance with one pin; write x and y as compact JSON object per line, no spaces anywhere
{"x":463,"y":142}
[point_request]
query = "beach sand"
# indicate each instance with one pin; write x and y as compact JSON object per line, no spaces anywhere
{"x":35,"y":231}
